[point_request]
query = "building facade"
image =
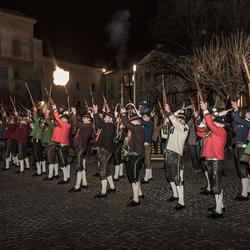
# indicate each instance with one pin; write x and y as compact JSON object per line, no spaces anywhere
{"x":22,"y":61}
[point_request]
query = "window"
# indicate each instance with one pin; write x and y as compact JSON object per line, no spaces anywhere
{"x":173,"y":98}
{"x":16,"y":47}
{"x":77,"y":85}
{"x":93,"y":87}
{"x":148,"y":77}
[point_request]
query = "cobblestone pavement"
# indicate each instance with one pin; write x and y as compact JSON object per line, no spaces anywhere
{"x":35,"y":214}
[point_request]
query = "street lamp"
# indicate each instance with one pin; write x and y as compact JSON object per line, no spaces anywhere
{"x":134,"y":81}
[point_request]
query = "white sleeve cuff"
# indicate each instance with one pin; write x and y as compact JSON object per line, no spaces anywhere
{"x":205,"y":112}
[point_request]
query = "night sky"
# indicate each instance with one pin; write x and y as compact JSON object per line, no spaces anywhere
{"x":75,"y":30}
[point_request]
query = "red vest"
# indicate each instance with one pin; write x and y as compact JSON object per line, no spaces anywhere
{"x":214,"y":143}
{"x":61,"y":132}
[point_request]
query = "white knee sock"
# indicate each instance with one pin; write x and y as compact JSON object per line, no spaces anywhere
{"x":16,"y":161}
{"x":248,"y":189}
{"x":121,"y":170}
{"x":56,"y":169}
{"x":27,"y":162}
{"x":150,"y":173}
{"x":135,"y":189}
{"x":218,"y":200}
{"x":7,"y":161}
{"x":43,"y":166}
{"x":78,"y":179}
{"x":65,"y":174}
{"x":84,"y":178}
{"x":38,"y":167}
{"x":221,"y":197}
{"x":84,"y":163}
{"x":110,"y":181}
{"x":173,"y":186}
{"x":104,"y":186}
{"x":244,"y":182}
{"x":68,"y":171}
{"x":50,"y":171}
{"x":21,"y":163}
{"x":182,"y":175}
{"x":139,"y":188}
{"x":117,"y":168}
{"x":180,"y":191}
{"x":208,"y":182}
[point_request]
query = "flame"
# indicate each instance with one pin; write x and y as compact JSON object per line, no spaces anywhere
{"x":61,"y":77}
{"x":134,"y":68}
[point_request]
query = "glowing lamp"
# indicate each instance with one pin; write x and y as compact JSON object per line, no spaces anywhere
{"x":61,"y":77}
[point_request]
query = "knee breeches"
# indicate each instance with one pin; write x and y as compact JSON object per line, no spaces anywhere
{"x":104,"y":157}
{"x":242,"y":167}
{"x":50,"y":151}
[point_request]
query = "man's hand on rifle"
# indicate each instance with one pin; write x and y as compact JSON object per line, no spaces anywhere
{"x":123,"y":110}
{"x":203,"y":105}
{"x":167,"y":107}
{"x":73,"y":110}
{"x":54,"y":107}
{"x":15,"y":113}
{"x":95,"y":108}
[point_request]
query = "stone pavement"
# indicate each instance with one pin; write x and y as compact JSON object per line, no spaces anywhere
{"x":35,"y":214}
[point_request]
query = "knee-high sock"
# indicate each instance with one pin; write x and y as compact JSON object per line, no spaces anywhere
{"x":43,"y":166}
{"x":135,"y":189}
{"x":7,"y":161}
{"x":84,"y":178}
{"x":248,"y":189}
{"x":117,"y":168}
{"x":218,"y":200}
{"x":148,"y":174}
{"x":221,"y":197}
{"x":139,"y":188}
{"x":173,"y":186}
{"x":121,"y":169}
{"x":21,"y":163}
{"x":16,"y":161}
{"x":68,"y":171}
{"x":27,"y":162}
{"x":78,"y":179}
{"x":38,"y":167}
{"x":65,"y":174}
{"x":55,"y":169}
{"x":180,"y":191}
{"x":208,"y":182}
{"x":182,"y":175}
{"x":110,"y":181}
{"x":50,"y":171}
{"x":84,"y":163}
{"x":104,"y":186}
{"x":244,"y":182}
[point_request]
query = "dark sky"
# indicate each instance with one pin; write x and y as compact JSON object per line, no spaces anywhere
{"x":76,"y":29}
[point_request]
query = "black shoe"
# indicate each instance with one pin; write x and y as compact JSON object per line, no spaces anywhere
{"x":146,"y":182}
{"x":115,"y":179}
{"x":48,"y":179}
{"x":56,"y":177}
{"x":5,"y":169}
{"x":179,"y":207}
{"x":215,"y":215}
{"x":62,"y":182}
{"x":74,"y":190}
{"x":133,"y":203}
{"x":111,"y":190}
{"x":120,"y":176}
{"x":204,"y":188}
{"x":172,"y":198}
{"x":206,"y":192}
{"x":85,"y":187}
{"x":241,"y":198}
{"x":142,"y":196}
{"x":211,"y":209}
{"x":36,"y":175}
{"x":96,"y":174}
{"x":100,"y":195}
{"x":19,"y":172}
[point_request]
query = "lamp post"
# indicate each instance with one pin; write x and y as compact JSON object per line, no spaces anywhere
{"x":104,"y":72}
{"x":134,"y":84}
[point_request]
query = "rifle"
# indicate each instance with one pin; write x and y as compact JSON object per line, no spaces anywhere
{"x":31,"y":98}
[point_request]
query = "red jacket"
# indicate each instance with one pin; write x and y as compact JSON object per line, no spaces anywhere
{"x":214,"y":143}
{"x":9,"y":128}
{"x":61,"y":132}
{"x":22,"y":133}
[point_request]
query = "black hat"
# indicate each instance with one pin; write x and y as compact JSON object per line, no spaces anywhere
{"x":220,"y":119}
{"x":146,"y":112}
{"x":134,"y":117}
{"x":65,"y":116}
{"x":181,"y":115}
{"x":247,"y":110}
{"x":110,"y":114}
{"x":87,"y":115}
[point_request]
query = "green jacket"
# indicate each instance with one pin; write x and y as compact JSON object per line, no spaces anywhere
{"x":47,"y":132}
{"x":36,"y":132}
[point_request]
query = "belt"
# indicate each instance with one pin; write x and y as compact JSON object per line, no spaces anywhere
{"x":212,"y":159}
{"x":240,"y":145}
